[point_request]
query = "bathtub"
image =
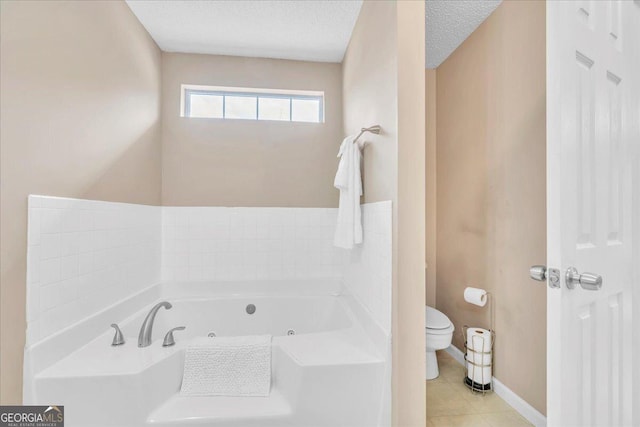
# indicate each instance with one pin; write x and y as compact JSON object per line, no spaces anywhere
{"x":328,"y":364}
{"x":227,"y":316}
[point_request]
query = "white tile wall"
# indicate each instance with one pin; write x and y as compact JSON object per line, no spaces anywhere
{"x":214,"y":243}
{"x":368,"y":268}
{"x":85,"y":255}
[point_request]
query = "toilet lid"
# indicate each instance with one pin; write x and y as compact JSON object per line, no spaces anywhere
{"x":435,"y":319}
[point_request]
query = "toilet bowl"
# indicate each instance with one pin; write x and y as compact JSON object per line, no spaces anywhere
{"x":439,"y":332}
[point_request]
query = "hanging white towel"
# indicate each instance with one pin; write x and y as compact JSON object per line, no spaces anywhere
{"x":349,"y":181}
{"x":228,"y":366}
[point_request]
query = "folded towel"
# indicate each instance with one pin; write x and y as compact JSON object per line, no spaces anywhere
{"x":349,"y":182}
{"x":228,"y":366}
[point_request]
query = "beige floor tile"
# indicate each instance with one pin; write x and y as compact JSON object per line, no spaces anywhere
{"x":440,"y":406}
{"x":444,"y":356}
{"x":450,"y":370}
{"x":459,"y":421}
{"x":460,"y":387}
{"x":451,"y":403}
{"x":439,"y":380}
{"x":454,"y":373}
{"x":490,"y":402}
{"x":436,"y":394}
{"x":505,"y":419}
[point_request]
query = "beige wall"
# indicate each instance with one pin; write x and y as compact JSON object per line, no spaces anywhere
{"x":491,"y":189}
{"x":370,"y":91}
{"x":97,"y":136}
{"x":430,"y":183}
{"x":409,"y":294}
{"x":216,"y":162}
{"x":383,"y":83}
{"x":80,"y":111}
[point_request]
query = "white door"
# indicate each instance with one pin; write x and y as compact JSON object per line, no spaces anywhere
{"x":593,"y":134}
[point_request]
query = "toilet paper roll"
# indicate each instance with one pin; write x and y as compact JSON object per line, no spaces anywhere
{"x":475,"y":296}
{"x":479,"y":343}
{"x":479,"y":375}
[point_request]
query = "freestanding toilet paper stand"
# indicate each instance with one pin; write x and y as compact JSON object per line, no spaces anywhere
{"x":481,"y":353}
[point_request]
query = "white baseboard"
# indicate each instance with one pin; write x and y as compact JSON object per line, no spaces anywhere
{"x":456,"y":354}
{"x":519,"y":404}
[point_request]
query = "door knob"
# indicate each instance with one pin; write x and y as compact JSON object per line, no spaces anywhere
{"x":541,"y":273}
{"x":538,"y":272}
{"x":587,"y":281}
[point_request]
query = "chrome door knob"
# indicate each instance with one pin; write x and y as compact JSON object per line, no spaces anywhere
{"x":587,"y":281}
{"x":538,"y":272}
{"x":541,"y":273}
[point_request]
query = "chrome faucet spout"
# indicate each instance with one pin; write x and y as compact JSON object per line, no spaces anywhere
{"x":144,"y":337}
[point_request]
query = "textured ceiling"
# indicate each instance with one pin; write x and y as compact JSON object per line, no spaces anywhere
{"x":450,"y":22}
{"x":303,"y":30}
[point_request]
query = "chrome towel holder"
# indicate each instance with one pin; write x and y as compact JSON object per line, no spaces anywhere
{"x":372,"y":129}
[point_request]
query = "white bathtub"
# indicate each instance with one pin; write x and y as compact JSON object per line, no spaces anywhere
{"x":227,"y":316}
{"x":330,"y":372}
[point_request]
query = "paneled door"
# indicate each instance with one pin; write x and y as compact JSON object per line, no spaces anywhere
{"x":593,"y":138}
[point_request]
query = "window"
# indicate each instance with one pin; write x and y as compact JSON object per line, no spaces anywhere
{"x":252,"y":104}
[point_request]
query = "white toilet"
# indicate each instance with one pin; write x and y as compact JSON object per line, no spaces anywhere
{"x":439,"y":332}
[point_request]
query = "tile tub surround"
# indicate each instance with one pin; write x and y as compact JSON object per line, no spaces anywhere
{"x":214,"y":243}
{"x":218,"y":243}
{"x":56,"y":363}
{"x":367,"y":275}
{"x":83,"y":256}
{"x":367,"y":270}
{"x":298,"y":239}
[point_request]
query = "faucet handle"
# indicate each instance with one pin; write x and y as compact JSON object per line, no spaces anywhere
{"x":118,"y":338}
{"x":168,"y":339}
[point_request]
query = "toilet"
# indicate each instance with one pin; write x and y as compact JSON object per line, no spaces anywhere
{"x":439,"y":332}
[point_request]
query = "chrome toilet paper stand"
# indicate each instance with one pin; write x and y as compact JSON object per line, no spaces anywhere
{"x":471,"y":365}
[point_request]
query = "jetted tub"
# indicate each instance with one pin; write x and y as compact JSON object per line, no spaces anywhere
{"x":228,"y":316}
{"x":329,"y":364}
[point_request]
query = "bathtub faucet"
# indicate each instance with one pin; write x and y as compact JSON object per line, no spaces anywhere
{"x":144,"y":338}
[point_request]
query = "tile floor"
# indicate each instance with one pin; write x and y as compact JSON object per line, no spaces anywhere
{"x":450,"y":403}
